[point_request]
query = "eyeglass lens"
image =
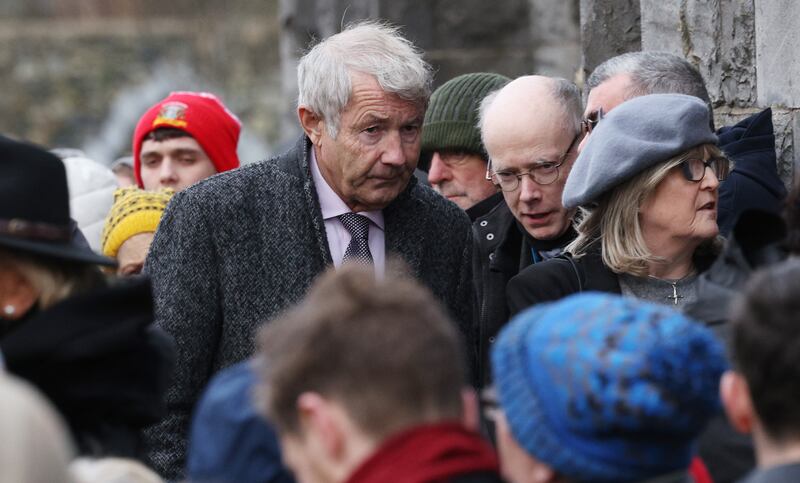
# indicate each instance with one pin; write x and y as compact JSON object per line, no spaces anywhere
{"x":694,"y":169}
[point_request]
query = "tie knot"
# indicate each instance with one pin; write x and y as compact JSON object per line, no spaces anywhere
{"x":357,"y":225}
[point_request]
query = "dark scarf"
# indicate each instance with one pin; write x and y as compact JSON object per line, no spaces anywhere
{"x":427,"y":454}
{"x":98,"y":359}
{"x":547,"y":249}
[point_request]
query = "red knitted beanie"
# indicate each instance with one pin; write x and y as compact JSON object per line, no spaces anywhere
{"x":200,"y":114}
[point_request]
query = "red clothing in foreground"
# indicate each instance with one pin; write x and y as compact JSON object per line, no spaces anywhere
{"x":427,"y":454}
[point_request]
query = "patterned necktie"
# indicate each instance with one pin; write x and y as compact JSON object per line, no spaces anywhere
{"x":358,"y":249}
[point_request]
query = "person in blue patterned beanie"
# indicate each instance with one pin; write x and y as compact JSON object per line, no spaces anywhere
{"x":601,"y":388}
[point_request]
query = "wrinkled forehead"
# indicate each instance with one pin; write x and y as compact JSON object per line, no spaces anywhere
{"x":530,"y":148}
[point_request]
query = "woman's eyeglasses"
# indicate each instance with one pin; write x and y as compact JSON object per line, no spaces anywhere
{"x":695,"y":168}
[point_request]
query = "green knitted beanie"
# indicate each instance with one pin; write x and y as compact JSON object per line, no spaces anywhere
{"x":451,"y":121}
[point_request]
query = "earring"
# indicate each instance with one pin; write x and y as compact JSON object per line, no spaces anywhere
{"x":9,"y":309}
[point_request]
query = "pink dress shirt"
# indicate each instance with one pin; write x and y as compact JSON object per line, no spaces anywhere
{"x":338,"y":236}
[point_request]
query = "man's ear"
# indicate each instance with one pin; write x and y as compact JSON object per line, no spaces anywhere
{"x":320,"y":423}
{"x":735,"y":395}
{"x":312,"y":124}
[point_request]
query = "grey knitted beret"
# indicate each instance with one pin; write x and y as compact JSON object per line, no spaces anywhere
{"x":636,"y":135}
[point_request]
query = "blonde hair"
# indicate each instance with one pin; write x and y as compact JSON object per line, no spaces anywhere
{"x":54,"y":280}
{"x":614,"y":222}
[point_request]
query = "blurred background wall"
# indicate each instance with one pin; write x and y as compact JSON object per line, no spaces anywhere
{"x":78,"y":73}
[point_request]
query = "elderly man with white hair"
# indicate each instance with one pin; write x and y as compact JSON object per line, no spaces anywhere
{"x":235,"y":250}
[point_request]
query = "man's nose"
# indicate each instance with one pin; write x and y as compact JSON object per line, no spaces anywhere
{"x":393,"y":150}
{"x":167,"y":173}
{"x":438,"y":171}
{"x":529,"y":190}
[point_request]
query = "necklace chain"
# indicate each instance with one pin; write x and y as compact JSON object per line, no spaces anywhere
{"x":675,"y":296}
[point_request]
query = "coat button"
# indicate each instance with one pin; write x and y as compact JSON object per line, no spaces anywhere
{"x":491,"y":257}
{"x":491,"y":340}
{"x":490,"y":236}
{"x":484,"y":223}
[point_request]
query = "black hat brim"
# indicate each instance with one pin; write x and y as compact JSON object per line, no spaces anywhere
{"x":69,"y":252}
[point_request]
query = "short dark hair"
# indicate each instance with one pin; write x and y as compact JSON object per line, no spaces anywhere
{"x":766,"y":346}
{"x":163,"y":133}
{"x":381,"y":347}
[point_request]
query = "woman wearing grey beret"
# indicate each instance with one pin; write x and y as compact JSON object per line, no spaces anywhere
{"x":646,"y":181}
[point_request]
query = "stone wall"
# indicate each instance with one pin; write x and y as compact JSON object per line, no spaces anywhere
{"x":513,"y":37}
{"x":745,"y":49}
{"x":79,"y":73}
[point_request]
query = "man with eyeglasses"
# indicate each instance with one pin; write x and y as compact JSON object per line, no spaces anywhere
{"x":750,"y":144}
{"x":452,"y":152}
{"x":530,"y":128}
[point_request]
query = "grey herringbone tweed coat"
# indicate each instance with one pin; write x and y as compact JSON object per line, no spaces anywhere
{"x":235,"y":250}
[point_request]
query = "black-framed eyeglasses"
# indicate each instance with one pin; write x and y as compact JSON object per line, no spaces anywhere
{"x":694,"y":169}
{"x":590,"y":121}
{"x":543,"y":173}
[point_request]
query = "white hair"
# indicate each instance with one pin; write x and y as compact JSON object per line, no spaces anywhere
{"x":373,"y":48}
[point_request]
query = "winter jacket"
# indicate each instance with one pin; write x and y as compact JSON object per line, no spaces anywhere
{"x":91,"y":194}
{"x":229,"y":441}
{"x":554,"y":279}
{"x":102,"y":364}
{"x":501,"y":250}
{"x":235,"y":250}
{"x":754,"y":182}
{"x":756,"y":242}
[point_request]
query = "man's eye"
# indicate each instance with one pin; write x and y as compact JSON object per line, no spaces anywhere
{"x":371,"y":130}
{"x":545,"y":166}
{"x":149,"y":162}
{"x":505,"y":175}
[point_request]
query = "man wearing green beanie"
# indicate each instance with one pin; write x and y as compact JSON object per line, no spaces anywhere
{"x":452,"y":151}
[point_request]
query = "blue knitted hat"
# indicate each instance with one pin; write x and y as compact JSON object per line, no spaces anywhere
{"x":634,"y":136}
{"x":605,"y":388}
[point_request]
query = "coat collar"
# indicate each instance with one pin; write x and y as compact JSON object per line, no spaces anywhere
{"x":398,"y":215}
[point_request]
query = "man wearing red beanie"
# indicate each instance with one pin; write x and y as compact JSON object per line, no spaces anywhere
{"x":183,"y":139}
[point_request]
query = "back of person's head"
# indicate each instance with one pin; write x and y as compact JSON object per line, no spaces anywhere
{"x":599,"y":387}
{"x":766,"y":347}
{"x":373,"y":48}
{"x":652,"y":73}
{"x":134,"y":216}
{"x":35,"y":446}
{"x":91,"y":192}
{"x":112,"y":470}
{"x":382,"y":348}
